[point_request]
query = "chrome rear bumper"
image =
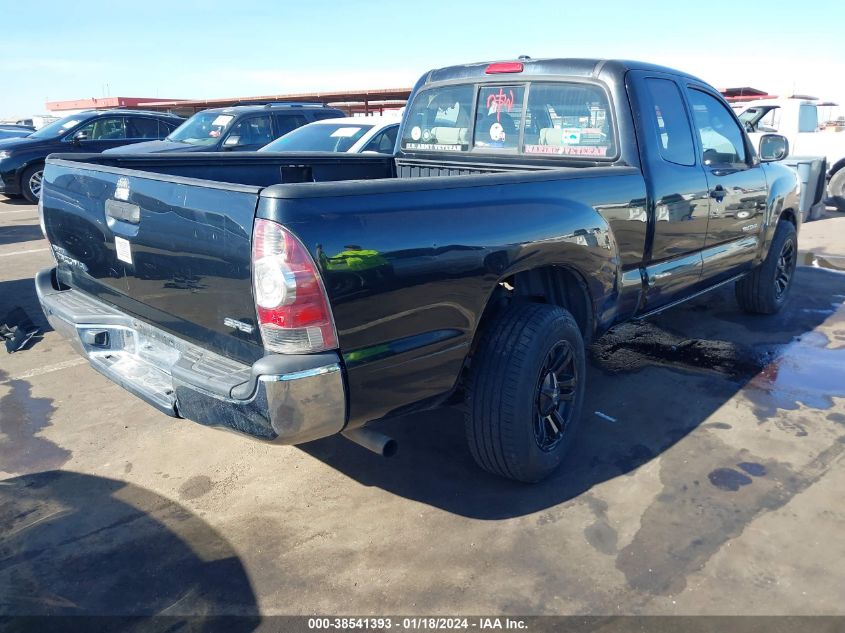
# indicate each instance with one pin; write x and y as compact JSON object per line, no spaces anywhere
{"x":286,"y":399}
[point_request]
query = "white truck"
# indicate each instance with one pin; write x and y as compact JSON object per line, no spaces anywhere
{"x":798,"y":120}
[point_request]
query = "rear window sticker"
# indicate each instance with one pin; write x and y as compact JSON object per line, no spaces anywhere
{"x":570,"y":136}
{"x":500,"y":101}
{"x":435,"y":147}
{"x":568,"y":150}
{"x":416,"y":133}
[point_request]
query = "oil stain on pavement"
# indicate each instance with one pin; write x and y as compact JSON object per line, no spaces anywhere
{"x":687,"y":524}
{"x":22,"y":419}
{"x":639,"y":344}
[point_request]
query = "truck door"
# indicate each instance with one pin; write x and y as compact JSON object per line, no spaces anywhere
{"x":736,"y":183}
{"x":677,"y":188}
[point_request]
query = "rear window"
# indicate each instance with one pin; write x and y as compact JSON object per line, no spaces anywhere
{"x":541,"y":118}
{"x":320,"y":137}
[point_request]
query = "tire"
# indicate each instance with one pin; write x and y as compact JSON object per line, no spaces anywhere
{"x":836,"y":188}
{"x":765,"y":289}
{"x":510,"y":385}
{"x":31,"y":177}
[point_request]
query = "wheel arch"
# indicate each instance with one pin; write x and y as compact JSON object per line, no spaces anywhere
{"x":788,"y":215}
{"x":838,"y":165}
{"x":26,"y":165}
{"x":563,"y":285}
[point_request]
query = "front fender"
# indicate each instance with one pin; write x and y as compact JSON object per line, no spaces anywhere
{"x":784,"y":195}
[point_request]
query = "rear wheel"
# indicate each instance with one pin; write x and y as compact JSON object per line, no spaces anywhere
{"x":836,"y":188}
{"x":31,"y":183}
{"x":765,"y":289}
{"x":525,"y":392}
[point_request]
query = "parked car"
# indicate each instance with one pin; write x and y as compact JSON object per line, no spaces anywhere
{"x":351,"y":135}
{"x":22,"y":159}
{"x":241,"y":128}
{"x":37,"y":121}
{"x":15,"y":131}
{"x":798,"y":121}
{"x":530,"y":206}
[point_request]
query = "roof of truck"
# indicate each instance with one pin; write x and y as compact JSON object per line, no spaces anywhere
{"x":571,"y":67}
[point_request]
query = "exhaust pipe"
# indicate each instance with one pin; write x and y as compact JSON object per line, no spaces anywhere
{"x":373,"y":440}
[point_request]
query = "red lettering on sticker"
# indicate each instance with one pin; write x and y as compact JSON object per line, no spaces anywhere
{"x":501,"y":100}
{"x":568,"y":150}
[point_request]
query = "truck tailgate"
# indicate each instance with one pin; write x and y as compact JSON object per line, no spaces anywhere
{"x":172,"y":251}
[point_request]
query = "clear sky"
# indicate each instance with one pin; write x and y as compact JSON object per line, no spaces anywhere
{"x":200,"y":49}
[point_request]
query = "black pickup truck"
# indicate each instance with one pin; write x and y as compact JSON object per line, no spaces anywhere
{"x":529,"y":206}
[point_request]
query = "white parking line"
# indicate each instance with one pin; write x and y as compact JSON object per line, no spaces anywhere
{"x":32,"y":250}
{"x":49,"y":369}
{"x":19,"y":211}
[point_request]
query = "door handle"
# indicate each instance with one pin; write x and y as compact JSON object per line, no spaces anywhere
{"x":718,"y":193}
{"x":123,"y":211}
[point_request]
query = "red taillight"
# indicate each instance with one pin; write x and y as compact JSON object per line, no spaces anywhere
{"x":504,"y":67}
{"x":291,"y":303}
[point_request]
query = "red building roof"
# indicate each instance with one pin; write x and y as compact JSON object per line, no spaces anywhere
{"x":367,"y":101}
{"x":103,"y":103}
{"x":744,"y":93}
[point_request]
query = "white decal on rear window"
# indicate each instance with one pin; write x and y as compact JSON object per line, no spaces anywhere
{"x":345,"y":132}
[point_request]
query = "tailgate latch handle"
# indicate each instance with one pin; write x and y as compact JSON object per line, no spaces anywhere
{"x":123,"y":211}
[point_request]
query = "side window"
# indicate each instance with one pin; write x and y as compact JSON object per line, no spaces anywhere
{"x":137,"y":127}
{"x":808,"y":118}
{"x":384,"y":141}
{"x":320,"y":115}
{"x":388,"y":140}
{"x":287,"y":123}
{"x":770,"y":122}
{"x":254,"y":130}
{"x":105,"y":129}
{"x":498,"y":116}
{"x":722,"y":141}
{"x":165,"y":128}
{"x":669,"y":118}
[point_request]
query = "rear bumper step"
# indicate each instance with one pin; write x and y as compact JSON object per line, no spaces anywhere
{"x":289,"y":399}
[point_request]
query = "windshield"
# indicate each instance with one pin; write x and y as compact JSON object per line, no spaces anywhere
{"x":204,"y":128}
{"x":554,"y":118}
{"x":319,"y":137}
{"x":58,"y":128}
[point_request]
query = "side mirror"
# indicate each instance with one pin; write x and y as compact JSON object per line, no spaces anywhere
{"x":232,"y":142}
{"x":773,"y":147}
{"x":80,"y":136}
